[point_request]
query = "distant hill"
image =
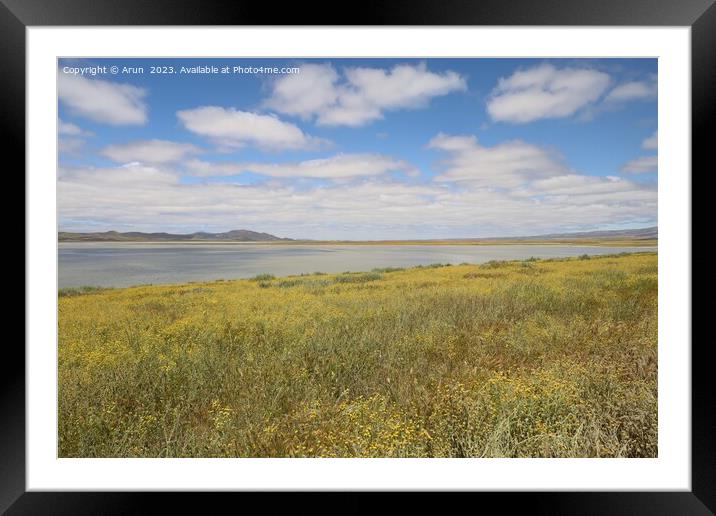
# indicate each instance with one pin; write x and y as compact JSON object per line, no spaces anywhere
{"x":632,"y":234}
{"x":237,"y":235}
{"x":244,"y":235}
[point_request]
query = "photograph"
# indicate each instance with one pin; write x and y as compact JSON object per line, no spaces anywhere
{"x":357,"y":257}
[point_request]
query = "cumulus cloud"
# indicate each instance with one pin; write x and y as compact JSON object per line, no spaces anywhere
{"x":71,"y":138}
{"x":200,"y":168}
{"x":641,"y":165}
{"x":130,"y":176}
{"x":544,"y":198}
{"x":360,"y":95}
{"x":306,"y":94}
{"x":644,"y":164}
{"x":633,"y":90}
{"x":579,"y":189}
{"x":340,"y":166}
{"x":69,"y":129}
{"x":506,"y":165}
{"x":652,"y":142}
{"x":71,"y":146}
{"x":102,"y":101}
{"x":134,"y":194}
{"x":232,"y":128}
{"x":545,"y":91}
{"x":149,"y":151}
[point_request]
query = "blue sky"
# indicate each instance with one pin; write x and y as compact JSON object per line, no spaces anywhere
{"x":359,"y":148}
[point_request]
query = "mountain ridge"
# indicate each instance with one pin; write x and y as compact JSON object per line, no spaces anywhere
{"x":245,"y":235}
{"x":648,"y":233}
{"x":236,"y":235}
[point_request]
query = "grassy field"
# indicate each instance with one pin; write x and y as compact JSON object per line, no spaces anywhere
{"x":538,"y":358}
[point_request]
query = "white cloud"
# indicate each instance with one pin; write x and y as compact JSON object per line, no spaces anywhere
{"x":506,"y":165}
{"x":641,"y":165}
{"x":102,"y":101}
{"x":361,"y":95}
{"x":579,"y":189}
{"x":130,"y":176}
{"x":69,"y":129}
{"x":199,"y":168}
{"x":341,"y":166}
{"x":545,"y":92}
{"x":544,"y":200}
{"x":232,"y":128}
{"x":644,"y":164}
{"x":305,"y":94}
{"x":634,"y":90}
{"x":70,"y":145}
{"x":149,"y":151}
{"x":71,"y":138}
{"x":652,"y":142}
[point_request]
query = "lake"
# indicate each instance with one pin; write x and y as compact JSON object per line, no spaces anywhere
{"x":125,"y":264}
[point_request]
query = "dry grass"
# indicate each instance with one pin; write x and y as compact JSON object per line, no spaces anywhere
{"x":545,"y":358}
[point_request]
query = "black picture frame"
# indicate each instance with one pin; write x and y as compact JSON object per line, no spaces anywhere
{"x":17,"y":15}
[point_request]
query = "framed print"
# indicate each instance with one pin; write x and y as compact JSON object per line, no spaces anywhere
{"x":424,"y":249}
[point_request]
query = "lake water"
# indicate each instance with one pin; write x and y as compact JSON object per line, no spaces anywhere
{"x":125,"y":264}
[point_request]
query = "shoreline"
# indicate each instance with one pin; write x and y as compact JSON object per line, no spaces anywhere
{"x":206,"y":281}
{"x":395,"y":243}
